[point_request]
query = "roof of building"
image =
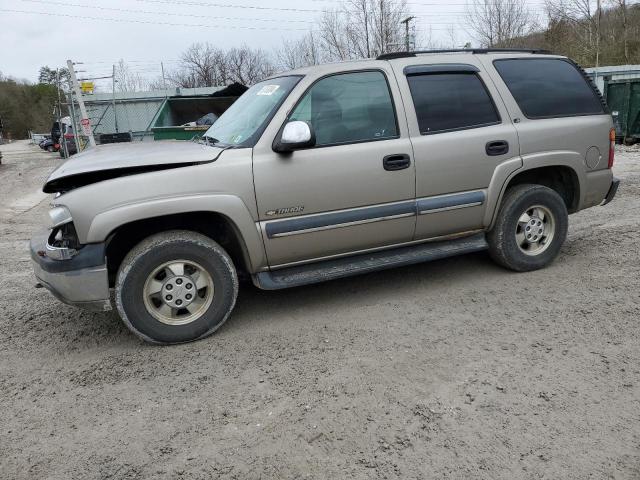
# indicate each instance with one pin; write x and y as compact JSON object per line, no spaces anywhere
{"x":614,"y":69}
{"x":151,"y":94}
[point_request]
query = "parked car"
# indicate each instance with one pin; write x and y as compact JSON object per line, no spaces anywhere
{"x":59,"y":131}
{"x":330,"y":171}
{"x":42,"y":140}
{"x":49,"y":145}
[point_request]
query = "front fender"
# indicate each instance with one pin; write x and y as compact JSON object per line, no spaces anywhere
{"x":230,"y":206}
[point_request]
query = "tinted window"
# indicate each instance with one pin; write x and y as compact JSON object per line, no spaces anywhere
{"x":548,"y":87}
{"x":451,"y":101}
{"x":346,"y":108}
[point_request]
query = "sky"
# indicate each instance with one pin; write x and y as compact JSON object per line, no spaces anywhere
{"x":144,"y":33}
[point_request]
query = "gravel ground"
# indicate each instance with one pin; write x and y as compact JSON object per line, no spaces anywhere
{"x":454,"y":369}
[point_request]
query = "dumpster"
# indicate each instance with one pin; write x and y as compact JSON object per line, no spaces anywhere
{"x":623,"y":98}
{"x":176,"y":116}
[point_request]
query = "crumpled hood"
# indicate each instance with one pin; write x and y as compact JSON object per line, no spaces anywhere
{"x":104,"y":162}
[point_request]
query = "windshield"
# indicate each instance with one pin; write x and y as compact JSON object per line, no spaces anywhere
{"x":243,"y":123}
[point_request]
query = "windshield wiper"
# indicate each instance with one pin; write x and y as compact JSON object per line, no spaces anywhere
{"x":210,"y":141}
{"x":214,"y":142}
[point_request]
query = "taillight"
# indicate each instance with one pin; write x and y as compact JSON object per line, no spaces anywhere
{"x":612,"y":146}
{"x":68,"y":136}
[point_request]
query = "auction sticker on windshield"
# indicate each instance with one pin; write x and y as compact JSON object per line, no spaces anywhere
{"x":268,"y":90}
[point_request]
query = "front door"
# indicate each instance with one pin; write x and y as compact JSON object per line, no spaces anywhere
{"x":355,"y":190}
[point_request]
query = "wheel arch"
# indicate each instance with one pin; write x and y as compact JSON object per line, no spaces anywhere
{"x":214,"y":225}
{"x":562,"y":178}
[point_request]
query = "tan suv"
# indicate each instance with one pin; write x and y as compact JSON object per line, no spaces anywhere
{"x":330,"y":171}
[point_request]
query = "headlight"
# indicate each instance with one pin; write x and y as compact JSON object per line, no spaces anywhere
{"x":59,"y":216}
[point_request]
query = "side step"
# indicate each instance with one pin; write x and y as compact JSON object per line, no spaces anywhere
{"x":367,"y":262}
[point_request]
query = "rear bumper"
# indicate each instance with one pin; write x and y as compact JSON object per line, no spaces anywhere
{"x":613,"y":189}
{"x":81,"y":280}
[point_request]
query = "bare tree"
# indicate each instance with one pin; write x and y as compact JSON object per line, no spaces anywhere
{"x":621,"y":7}
{"x":583,"y":21}
{"x":203,"y":65}
{"x":299,"y":53}
{"x":498,"y":22}
{"x":248,"y":66}
{"x":388,"y":35}
{"x":363,"y":29}
{"x":333,"y":28}
{"x":129,"y":81}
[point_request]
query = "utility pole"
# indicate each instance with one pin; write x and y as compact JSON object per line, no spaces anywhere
{"x":407,"y":38}
{"x":598,"y":20}
{"x":76,"y":135}
{"x":164,"y":80}
{"x":383,"y":37}
{"x":84,"y":120}
{"x":113,"y":95}
{"x":62,"y":132}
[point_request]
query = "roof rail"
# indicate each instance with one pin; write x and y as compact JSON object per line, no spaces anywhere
{"x":391,"y":56}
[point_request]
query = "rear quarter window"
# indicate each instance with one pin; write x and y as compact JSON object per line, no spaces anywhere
{"x":547,"y":88}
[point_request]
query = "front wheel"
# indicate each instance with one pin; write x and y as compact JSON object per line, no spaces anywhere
{"x":531,"y":228}
{"x":176,"y":287}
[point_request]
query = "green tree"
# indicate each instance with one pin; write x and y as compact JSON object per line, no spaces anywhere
{"x":49,"y":75}
{"x":25,"y":107}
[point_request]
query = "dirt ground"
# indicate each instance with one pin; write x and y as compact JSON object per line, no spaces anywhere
{"x":453,"y":369}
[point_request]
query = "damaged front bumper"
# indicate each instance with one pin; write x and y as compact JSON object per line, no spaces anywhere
{"x":80,"y":279}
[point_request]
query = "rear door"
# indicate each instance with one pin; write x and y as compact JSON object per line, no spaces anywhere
{"x":461,"y":133}
{"x":355,"y":190}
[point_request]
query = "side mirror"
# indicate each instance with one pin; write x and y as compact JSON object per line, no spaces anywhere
{"x":295,"y":135}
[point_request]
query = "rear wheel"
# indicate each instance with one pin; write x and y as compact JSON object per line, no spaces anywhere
{"x":176,"y":287}
{"x":50,"y":149}
{"x":531,"y":228}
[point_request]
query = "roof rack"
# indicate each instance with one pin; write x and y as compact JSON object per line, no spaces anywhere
{"x":391,"y":56}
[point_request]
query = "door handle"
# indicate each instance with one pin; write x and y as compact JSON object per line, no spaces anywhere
{"x":395,"y":162}
{"x":497,"y":147}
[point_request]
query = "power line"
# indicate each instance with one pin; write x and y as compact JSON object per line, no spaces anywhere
{"x":428,"y":4}
{"x":154,"y":22}
{"x":226,"y":5}
{"x":126,"y":10}
{"x":123,"y":20}
{"x":146,"y":12}
{"x":296,"y":9}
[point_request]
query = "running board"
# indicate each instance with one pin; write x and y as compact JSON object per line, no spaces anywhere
{"x":367,"y":262}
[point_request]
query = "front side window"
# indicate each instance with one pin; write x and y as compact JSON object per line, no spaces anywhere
{"x":348,"y":108}
{"x":451,"y":101}
{"x":548,"y":87}
{"x":243,"y":123}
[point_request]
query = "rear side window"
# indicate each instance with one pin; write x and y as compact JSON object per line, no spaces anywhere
{"x":451,"y":101}
{"x":547,"y":88}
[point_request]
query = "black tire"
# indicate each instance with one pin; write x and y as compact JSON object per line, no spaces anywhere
{"x":169,"y":246}
{"x":503,"y":246}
